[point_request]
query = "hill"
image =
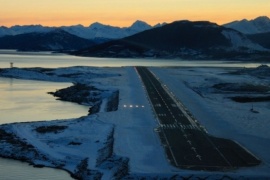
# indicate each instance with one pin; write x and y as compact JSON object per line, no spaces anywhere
{"x":180,"y":39}
{"x":45,"y":41}
{"x":258,"y":25}
{"x":94,"y":31}
{"x":261,"y":38}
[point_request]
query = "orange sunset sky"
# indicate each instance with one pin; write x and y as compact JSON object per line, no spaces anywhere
{"x":124,"y":12}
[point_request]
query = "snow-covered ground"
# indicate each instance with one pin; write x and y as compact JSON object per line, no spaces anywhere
{"x":221,"y":116}
{"x":134,"y":139}
{"x":109,"y":144}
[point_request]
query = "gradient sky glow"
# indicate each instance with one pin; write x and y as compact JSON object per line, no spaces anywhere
{"x":125,"y":12}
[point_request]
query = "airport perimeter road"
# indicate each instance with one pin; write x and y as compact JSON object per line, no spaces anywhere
{"x":186,"y":144}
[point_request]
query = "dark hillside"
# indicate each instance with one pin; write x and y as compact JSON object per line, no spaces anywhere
{"x":263,"y":39}
{"x":181,"y":34}
{"x":182,"y":39}
{"x":51,"y":41}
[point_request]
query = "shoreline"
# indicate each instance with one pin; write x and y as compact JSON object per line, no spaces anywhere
{"x":116,"y":117}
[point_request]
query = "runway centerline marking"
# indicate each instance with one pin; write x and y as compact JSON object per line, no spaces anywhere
{"x":183,"y":135}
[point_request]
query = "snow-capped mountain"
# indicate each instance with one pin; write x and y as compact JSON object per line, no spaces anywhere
{"x":15,"y":30}
{"x":184,"y":39}
{"x":255,"y":26}
{"x":239,"y":41}
{"x":95,"y":30}
{"x":98,"y":30}
{"x":139,"y":26}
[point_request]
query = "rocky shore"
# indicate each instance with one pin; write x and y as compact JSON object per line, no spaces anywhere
{"x":89,"y":95}
{"x":83,"y":147}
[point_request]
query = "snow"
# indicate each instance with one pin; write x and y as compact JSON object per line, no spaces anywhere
{"x":98,"y":30}
{"x":259,"y":25}
{"x":135,"y":129}
{"x":15,"y":30}
{"x":134,"y":136}
{"x":221,"y":116}
{"x":108,"y":142}
{"x":95,"y":30}
{"x":140,"y":26}
{"x":239,"y":41}
{"x":58,"y":148}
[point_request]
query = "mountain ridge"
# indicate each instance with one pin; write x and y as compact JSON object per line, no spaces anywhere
{"x":87,"y":32}
{"x":258,"y":25}
{"x":56,"y":40}
{"x":180,"y":39}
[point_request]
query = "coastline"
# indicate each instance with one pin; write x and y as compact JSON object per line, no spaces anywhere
{"x":125,"y":121}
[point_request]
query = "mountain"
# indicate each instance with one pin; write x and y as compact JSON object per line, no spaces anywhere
{"x":258,"y":25}
{"x":94,"y":31}
{"x":184,"y":39}
{"x":55,"y":40}
{"x":15,"y":30}
{"x":98,"y":30}
{"x":139,"y":26}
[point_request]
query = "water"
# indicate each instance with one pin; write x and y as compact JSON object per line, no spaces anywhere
{"x":27,"y":100}
{"x":23,"y":100}
{"x":49,"y":60}
{"x":16,"y":170}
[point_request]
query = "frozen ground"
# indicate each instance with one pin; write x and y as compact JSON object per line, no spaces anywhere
{"x":123,"y":143}
{"x":221,"y":116}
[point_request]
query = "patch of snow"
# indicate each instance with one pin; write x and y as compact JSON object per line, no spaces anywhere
{"x":239,"y":41}
{"x":221,"y":116}
{"x":134,"y":135}
{"x":15,"y":30}
{"x":140,"y":26}
{"x":103,"y":105}
{"x":95,"y":30}
{"x":258,"y":25}
{"x":98,"y":30}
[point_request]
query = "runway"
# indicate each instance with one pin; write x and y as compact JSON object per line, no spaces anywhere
{"x":186,"y":143}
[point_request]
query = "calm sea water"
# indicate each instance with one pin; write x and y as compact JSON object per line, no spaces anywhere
{"x":24,"y":59}
{"x":16,"y":170}
{"x":23,"y":100}
{"x":27,"y":100}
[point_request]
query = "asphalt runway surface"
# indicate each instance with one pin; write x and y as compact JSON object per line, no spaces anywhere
{"x":186,"y":143}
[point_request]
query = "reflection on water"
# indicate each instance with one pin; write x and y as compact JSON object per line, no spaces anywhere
{"x":27,"y":100}
{"x":24,"y":100}
{"x":26,"y":59}
{"x":9,"y":171}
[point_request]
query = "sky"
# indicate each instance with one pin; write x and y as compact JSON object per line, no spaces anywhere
{"x":123,"y":13}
